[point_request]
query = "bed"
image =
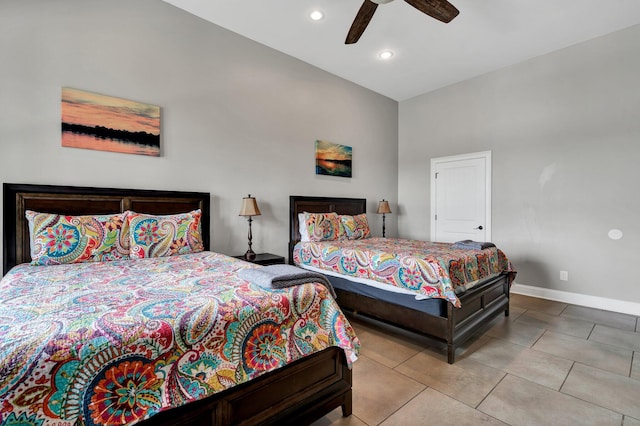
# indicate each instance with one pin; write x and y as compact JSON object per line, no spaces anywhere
{"x":448,"y":318}
{"x":159,"y":341}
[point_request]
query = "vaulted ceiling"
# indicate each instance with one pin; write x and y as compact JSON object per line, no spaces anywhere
{"x":427,"y":54}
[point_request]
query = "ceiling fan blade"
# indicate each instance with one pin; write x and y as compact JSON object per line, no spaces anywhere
{"x":361,"y":21}
{"x":441,"y":10}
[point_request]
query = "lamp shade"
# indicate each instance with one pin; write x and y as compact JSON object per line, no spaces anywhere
{"x":249,"y":207}
{"x":383,"y":207}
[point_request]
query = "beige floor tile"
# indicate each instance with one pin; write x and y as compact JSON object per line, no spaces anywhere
{"x":508,"y":371}
{"x":386,"y":348}
{"x":566,"y":325}
{"x":635,"y":366}
{"x":612,"y":391}
{"x":519,"y":402}
{"x":516,"y":332}
{"x":630,"y":421}
{"x":467,"y":381}
{"x":538,"y":367}
{"x":599,"y":316}
{"x":335,"y":418}
{"x":514,"y":312}
{"x":379,"y":391}
{"x":614,"y":337}
{"x":605,"y":357}
{"x":433,"y":408}
{"x":539,"y":305}
{"x":472,"y":345}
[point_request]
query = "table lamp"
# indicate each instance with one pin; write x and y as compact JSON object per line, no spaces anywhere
{"x":249,"y":209}
{"x":383,"y":208}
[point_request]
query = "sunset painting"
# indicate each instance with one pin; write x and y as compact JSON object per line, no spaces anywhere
{"x":105,"y":123}
{"x":333,"y":159}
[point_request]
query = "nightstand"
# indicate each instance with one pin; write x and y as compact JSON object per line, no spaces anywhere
{"x":264,"y":259}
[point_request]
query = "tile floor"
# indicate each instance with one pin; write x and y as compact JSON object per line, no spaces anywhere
{"x":548,"y":363}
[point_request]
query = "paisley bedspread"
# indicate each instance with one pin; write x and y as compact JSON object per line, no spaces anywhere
{"x":117,"y":342}
{"x":434,"y":270}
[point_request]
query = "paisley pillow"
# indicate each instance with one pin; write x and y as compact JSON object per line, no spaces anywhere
{"x":356,"y":227}
{"x":58,"y":239}
{"x":161,"y":236}
{"x":322,"y":226}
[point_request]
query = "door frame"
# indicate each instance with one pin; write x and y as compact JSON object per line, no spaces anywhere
{"x":486,"y":155}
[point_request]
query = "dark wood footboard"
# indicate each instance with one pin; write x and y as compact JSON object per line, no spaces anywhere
{"x":479,"y":306}
{"x":297,"y":394}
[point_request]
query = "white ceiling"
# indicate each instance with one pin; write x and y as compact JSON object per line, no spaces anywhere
{"x":487,"y":35}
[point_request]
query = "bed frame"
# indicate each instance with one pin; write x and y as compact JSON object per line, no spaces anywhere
{"x":298,"y":393}
{"x":480,"y":304}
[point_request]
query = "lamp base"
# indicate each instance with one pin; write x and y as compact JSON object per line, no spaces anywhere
{"x":250,"y":255}
{"x":383,"y":236}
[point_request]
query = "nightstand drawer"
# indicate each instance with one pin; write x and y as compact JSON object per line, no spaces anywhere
{"x":264,"y":259}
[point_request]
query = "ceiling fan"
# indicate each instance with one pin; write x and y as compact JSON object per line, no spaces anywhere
{"x":441,"y":10}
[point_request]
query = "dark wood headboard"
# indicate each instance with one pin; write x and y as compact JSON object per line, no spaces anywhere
{"x":76,"y":200}
{"x":300,"y":204}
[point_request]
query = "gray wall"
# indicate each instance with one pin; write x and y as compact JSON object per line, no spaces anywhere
{"x":237,"y":117}
{"x":564,"y":130}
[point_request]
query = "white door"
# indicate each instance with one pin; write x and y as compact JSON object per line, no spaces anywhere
{"x":461,"y":198}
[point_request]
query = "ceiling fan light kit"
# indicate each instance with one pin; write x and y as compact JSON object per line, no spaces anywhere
{"x":441,"y":10}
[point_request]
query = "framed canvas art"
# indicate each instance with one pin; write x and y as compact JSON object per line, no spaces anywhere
{"x":105,"y":123}
{"x":333,"y":159}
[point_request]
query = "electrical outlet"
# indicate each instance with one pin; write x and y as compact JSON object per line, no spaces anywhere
{"x":564,"y":276}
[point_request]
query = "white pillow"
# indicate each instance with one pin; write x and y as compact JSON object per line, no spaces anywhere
{"x":304,"y":232}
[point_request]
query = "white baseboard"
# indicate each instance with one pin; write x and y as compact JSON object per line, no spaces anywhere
{"x":604,"y":303}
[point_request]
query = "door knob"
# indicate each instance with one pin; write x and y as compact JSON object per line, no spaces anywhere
{"x":479,"y":227}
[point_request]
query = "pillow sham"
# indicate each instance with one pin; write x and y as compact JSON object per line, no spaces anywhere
{"x":322,"y":226}
{"x":356,"y":227}
{"x":161,"y":236}
{"x":58,"y":239}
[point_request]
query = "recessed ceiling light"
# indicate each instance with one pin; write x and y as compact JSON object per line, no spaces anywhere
{"x":385,"y":54}
{"x":316,"y":15}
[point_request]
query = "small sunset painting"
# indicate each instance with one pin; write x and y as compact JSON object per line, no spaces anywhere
{"x":333,"y":159}
{"x":105,"y":123}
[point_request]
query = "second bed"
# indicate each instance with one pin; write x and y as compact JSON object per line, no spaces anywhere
{"x":447,"y":295}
